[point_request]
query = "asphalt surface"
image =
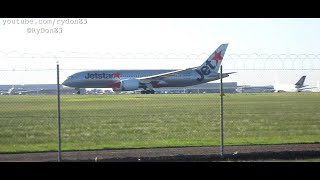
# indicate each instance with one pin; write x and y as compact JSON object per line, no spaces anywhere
{"x":208,"y":153}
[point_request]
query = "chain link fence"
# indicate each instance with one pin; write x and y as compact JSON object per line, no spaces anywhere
{"x":185,"y":117}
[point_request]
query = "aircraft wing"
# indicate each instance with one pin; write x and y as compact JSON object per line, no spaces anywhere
{"x":162,"y":76}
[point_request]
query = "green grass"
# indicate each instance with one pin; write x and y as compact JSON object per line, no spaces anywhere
{"x":29,"y":123}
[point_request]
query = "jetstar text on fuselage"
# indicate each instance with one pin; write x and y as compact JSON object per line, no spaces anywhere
{"x":98,"y":76}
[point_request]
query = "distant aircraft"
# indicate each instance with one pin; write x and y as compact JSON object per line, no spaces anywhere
{"x":14,"y":91}
{"x":298,"y":87}
{"x":130,"y":80}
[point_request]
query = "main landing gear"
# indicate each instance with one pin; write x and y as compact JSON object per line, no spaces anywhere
{"x":147,"y":92}
{"x":147,"y":89}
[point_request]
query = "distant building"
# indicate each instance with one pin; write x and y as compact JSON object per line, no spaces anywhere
{"x":228,"y":87}
{"x":255,"y":89}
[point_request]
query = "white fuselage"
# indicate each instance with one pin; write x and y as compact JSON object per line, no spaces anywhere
{"x":105,"y":79}
{"x":286,"y":88}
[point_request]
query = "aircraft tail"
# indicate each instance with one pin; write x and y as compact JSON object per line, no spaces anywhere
{"x":300,"y":82}
{"x":214,"y":60}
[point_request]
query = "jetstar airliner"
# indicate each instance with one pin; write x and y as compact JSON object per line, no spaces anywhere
{"x":130,"y":80}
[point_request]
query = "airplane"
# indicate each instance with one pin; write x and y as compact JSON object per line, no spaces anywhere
{"x":130,"y":80}
{"x":297,"y":87}
{"x":14,"y":91}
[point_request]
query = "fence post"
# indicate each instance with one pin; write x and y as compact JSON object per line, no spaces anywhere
{"x":221,"y":112}
{"x":59,"y":115}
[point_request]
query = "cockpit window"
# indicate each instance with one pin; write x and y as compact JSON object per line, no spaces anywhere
{"x":70,"y":77}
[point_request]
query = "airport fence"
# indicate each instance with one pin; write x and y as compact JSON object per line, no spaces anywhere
{"x":171,"y":117}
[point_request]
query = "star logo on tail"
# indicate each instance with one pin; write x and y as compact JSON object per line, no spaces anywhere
{"x":117,"y":74}
{"x":217,"y":57}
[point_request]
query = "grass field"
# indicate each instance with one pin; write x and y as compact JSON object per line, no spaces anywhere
{"x":29,"y":123}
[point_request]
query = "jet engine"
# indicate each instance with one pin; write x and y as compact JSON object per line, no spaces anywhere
{"x":126,"y":85}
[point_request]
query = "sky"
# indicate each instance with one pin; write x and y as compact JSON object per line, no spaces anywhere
{"x":30,"y":48}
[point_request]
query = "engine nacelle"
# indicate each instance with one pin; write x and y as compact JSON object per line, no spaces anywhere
{"x":126,"y":85}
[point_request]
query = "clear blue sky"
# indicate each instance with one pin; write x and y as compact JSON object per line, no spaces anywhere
{"x":188,"y":36}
